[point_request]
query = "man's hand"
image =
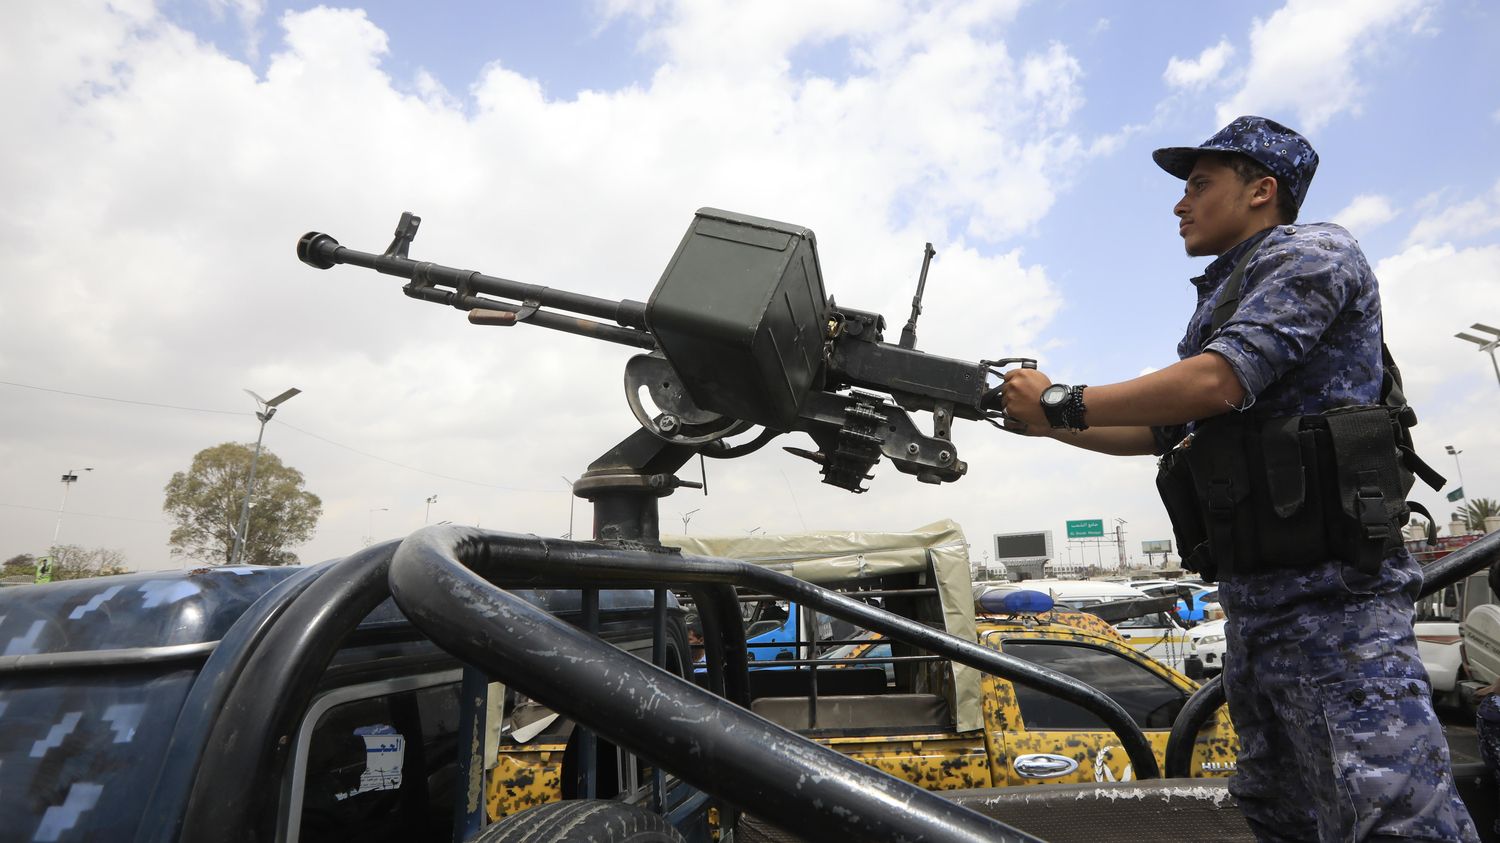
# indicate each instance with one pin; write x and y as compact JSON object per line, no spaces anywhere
{"x":1021,"y":397}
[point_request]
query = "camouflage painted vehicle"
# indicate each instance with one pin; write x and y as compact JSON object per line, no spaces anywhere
{"x":939,"y":725}
{"x":136,"y":707}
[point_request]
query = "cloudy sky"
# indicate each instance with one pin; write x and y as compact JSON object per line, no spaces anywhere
{"x":163,"y":158}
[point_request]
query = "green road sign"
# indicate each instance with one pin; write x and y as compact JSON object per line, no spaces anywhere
{"x":1456,"y":494}
{"x":1087,"y":528}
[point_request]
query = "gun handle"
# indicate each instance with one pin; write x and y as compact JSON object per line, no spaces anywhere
{"x":502,"y":318}
{"x":1024,"y":362}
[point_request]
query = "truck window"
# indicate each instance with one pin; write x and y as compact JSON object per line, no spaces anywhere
{"x":377,"y":761}
{"x":1151,"y":700}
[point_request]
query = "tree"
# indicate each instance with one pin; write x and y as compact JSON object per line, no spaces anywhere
{"x":1476,"y":511}
{"x":205,"y":502}
{"x":20,"y":565}
{"x":71,"y":562}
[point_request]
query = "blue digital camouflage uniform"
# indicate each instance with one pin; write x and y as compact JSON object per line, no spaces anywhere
{"x":1325,"y":686}
{"x":1487,"y":723}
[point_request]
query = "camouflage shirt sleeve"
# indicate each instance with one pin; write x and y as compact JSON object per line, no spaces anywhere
{"x":1296,"y":285}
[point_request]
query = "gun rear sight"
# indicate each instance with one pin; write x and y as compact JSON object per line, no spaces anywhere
{"x":738,"y":333}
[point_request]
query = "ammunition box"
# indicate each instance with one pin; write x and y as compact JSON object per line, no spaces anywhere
{"x":739,"y":313}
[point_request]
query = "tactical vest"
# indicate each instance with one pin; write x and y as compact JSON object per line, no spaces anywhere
{"x":1248,"y":494}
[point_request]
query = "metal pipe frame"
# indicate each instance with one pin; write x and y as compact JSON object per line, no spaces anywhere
{"x":235,"y":789}
{"x":501,"y":556}
{"x":445,"y":579}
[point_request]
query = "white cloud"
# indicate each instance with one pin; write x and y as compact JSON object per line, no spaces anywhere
{"x":1429,"y":293}
{"x":1448,"y":223}
{"x":1365,"y":212}
{"x":1198,"y":73}
{"x":1304,"y":57}
{"x":152,"y":204}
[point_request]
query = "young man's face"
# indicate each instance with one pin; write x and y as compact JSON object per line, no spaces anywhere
{"x":1216,"y":212}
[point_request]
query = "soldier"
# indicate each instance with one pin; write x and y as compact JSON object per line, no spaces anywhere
{"x":1330,"y":699}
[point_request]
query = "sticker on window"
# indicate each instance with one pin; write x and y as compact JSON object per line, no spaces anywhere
{"x":385,"y":748}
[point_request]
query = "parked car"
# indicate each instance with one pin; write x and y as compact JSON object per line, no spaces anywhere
{"x":1481,"y":630}
{"x":1201,"y":605}
{"x":1157,"y":633}
{"x":1155,"y":588}
{"x":1481,"y":643}
{"x":1206,"y":641}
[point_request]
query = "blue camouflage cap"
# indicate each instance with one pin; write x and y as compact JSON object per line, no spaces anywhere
{"x":1288,"y":155}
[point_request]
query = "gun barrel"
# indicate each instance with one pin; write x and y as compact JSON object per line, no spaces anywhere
{"x":322,"y":251}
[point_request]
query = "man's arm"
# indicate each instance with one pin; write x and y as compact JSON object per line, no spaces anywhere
{"x":1117,"y":441}
{"x":1196,"y":388}
{"x":1199,"y":387}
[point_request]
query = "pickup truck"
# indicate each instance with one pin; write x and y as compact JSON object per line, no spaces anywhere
{"x":127,"y":703}
{"x":919,"y":718}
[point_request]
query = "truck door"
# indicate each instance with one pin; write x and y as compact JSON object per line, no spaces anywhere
{"x":1057,"y":741}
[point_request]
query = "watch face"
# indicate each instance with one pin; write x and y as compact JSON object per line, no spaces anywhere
{"x":1055,"y":394}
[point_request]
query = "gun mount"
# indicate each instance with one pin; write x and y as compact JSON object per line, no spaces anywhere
{"x":738,"y":333}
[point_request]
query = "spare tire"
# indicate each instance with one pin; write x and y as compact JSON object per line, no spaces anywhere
{"x":581,"y":820}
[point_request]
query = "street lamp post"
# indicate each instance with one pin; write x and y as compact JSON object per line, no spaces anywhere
{"x":1463,"y":493}
{"x":431,"y":499}
{"x":571,"y":499}
{"x":1485,"y":344}
{"x":686,"y":517}
{"x":264,"y":415}
{"x":370,"y":538}
{"x":68,"y":479}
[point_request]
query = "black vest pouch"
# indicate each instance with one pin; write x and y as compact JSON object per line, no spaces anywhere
{"x":1174,"y":482}
{"x":1372,"y":487}
{"x":1221,"y":480}
{"x":1287,"y":482}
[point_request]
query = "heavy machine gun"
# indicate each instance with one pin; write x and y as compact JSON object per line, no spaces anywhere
{"x":739,"y":333}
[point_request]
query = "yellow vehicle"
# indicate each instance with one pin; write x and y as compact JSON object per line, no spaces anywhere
{"x":917,"y":717}
{"x":1155,"y":632}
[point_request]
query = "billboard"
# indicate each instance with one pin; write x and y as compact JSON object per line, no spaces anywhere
{"x":1036,"y":544}
{"x":1158,"y":546}
{"x":1086,"y":529}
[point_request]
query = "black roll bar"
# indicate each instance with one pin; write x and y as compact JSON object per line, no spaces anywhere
{"x":447,"y":579}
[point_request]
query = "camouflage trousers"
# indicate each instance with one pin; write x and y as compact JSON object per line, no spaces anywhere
{"x":1338,"y":739}
{"x":1487,"y":724}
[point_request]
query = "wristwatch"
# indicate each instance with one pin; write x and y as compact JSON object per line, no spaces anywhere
{"x":1063,"y":406}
